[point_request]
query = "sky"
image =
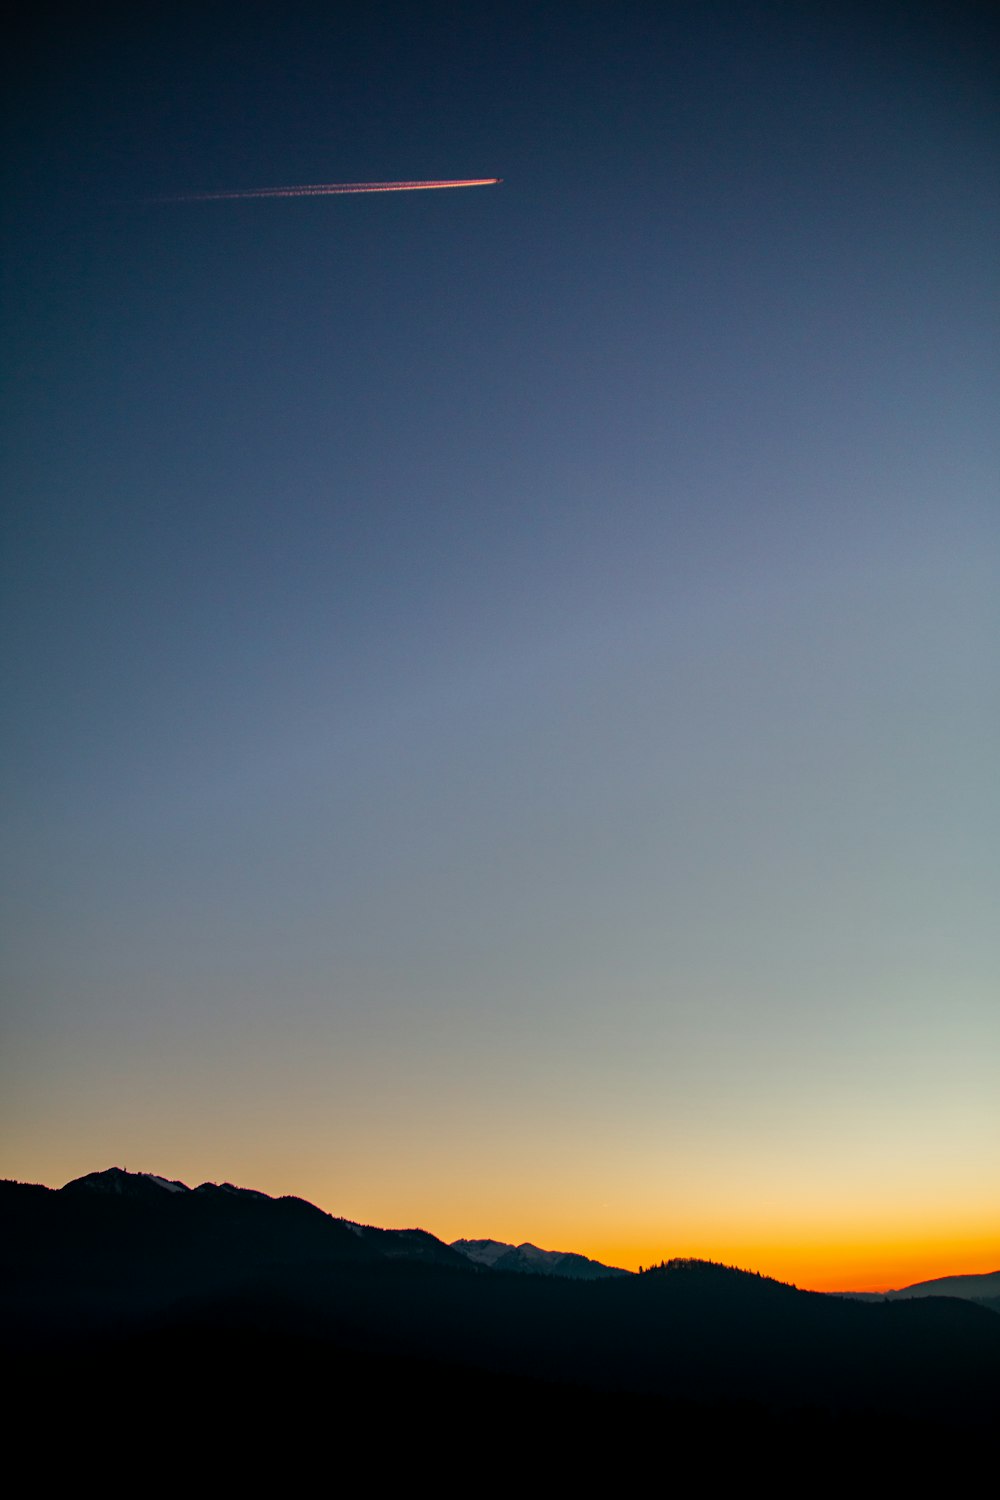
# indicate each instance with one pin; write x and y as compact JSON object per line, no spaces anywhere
{"x":500,"y":685}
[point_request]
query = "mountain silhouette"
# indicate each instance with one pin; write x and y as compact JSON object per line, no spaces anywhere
{"x":118,"y":1244}
{"x":983,"y":1289}
{"x":132,"y":1295}
{"x":528,"y":1259}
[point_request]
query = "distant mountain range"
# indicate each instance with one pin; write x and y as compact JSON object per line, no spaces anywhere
{"x":984,"y":1289}
{"x":527,"y":1259}
{"x":294,"y":1222}
{"x":133,"y":1299}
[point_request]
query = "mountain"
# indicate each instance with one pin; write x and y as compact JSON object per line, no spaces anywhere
{"x":983,"y":1289}
{"x":321,"y":1231}
{"x":142,"y":1186}
{"x":137,"y":1306}
{"x":976,"y":1288}
{"x":119,"y":1244}
{"x":528,"y":1259}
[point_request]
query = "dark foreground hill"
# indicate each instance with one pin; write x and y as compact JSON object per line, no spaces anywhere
{"x":263,"y":1328}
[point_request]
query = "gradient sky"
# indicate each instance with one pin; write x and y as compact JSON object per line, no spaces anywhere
{"x":501,"y":693}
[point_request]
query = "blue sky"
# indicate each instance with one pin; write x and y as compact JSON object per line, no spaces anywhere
{"x":501,"y":685}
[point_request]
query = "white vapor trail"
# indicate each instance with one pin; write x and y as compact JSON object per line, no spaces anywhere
{"x":329,"y":189}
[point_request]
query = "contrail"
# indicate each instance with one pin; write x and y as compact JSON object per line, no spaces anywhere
{"x":328,"y":189}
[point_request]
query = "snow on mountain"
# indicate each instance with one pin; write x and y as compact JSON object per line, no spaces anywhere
{"x":230,"y":1191}
{"x":409,"y":1244}
{"x":118,"y":1182}
{"x":483,"y":1252}
{"x":287,"y":1221}
{"x":164,"y":1182}
{"x":532,"y":1260}
{"x":121,"y":1183}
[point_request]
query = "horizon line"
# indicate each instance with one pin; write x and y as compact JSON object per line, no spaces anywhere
{"x":840,"y":1289}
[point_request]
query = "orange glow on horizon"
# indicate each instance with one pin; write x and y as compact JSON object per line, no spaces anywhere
{"x":876,"y":1266}
{"x":858,"y":1257}
{"x":829,"y":1241}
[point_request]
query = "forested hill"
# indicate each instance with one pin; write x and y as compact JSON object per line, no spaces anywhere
{"x":275,"y":1296}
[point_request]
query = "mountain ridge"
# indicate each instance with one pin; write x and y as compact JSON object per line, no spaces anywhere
{"x":134,"y":1283}
{"x":981,"y":1287}
{"x":528,"y":1259}
{"x":484,"y":1254}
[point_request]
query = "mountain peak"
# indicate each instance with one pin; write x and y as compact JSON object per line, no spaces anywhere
{"x":529,"y":1259}
{"x":482,"y":1252}
{"x":230,"y":1190}
{"x":119,"y":1183}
